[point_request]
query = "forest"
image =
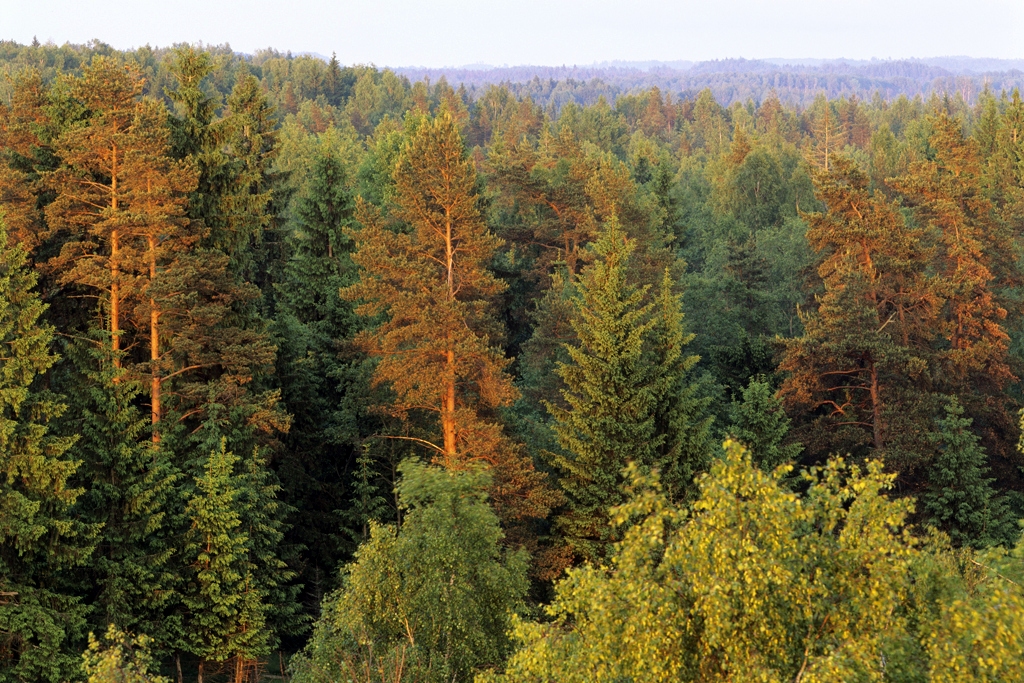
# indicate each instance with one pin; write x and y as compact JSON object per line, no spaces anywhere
{"x":316,"y":373}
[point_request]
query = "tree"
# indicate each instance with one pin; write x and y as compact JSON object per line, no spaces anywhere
{"x":427,"y":601}
{"x":324,"y":378}
{"x":437,"y":343}
{"x":760,"y":423}
{"x":626,"y":394}
{"x":121,"y":658}
{"x":227,"y":609}
{"x":755,"y":584}
{"x":860,"y":373}
{"x":39,"y":535}
{"x":947,"y":196}
{"x":100,"y":177}
{"x":959,"y":497}
{"x":608,"y":418}
{"x":682,"y":425}
{"x":128,"y":492}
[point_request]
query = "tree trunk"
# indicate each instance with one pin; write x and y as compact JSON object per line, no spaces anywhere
{"x":876,"y":408}
{"x":154,"y":346}
{"x":448,"y":411}
{"x":115,"y":272}
{"x":448,"y":400}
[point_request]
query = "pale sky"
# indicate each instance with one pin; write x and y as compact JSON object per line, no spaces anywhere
{"x":546,"y":32}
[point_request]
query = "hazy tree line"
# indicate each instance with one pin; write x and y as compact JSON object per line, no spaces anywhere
{"x":311,"y":371}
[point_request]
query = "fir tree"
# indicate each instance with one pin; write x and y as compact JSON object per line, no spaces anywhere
{"x":39,"y":536}
{"x":960,"y":498}
{"x":760,"y":423}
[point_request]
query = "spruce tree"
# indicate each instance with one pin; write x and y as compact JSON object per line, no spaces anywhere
{"x":227,"y":610}
{"x":272,"y":558}
{"x":40,"y":538}
{"x":608,"y":418}
{"x":682,"y":425}
{"x":128,"y":485}
{"x":960,"y":497}
{"x":760,"y":423}
{"x":324,"y":379}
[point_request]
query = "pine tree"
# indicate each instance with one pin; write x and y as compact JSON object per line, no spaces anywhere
{"x":947,"y":196}
{"x":219,"y":349}
{"x":438,"y":344}
{"x":39,"y":536}
{"x":760,"y":423}
{"x":860,"y":372}
{"x":98,"y":180}
{"x":24,"y":124}
{"x":610,"y":398}
{"x":959,"y":497}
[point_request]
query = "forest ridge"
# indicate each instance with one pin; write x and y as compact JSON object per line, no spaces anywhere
{"x":324,"y":373}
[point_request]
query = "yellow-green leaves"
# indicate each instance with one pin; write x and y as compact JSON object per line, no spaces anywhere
{"x":757,"y":583}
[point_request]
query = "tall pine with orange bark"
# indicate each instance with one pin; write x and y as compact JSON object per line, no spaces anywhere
{"x":860,"y":375}
{"x":425,"y":271}
{"x":974,"y":263}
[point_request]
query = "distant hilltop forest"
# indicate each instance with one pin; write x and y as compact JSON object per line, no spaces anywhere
{"x":795,"y":82}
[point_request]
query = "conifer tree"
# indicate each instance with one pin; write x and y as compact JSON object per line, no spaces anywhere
{"x":760,"y":423}
{"x":324,"y":380}
{"x":39,"y":535}
{"x":127,"y":484}
{"x":24,"y":123}
{"x":682,"y":425}
{"x":960,"y":498}
{"x":438,"y":343}
{"x":947,"y":196}
{"x":626,"y":397}
{"x":227,"y":610}
{"x":272,"y":558}
{"x":99,"y":178}
{"x":859,"y":373}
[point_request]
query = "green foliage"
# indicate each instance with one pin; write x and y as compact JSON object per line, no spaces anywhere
{"x":39,"y":535}
{"x":120,"y":658}
{"x":760,"y":424}
{"x":758,"y":583}
{"x":227,"y":608}
{"x":627,"y":394}
{"x":128,"y":487}
{"x":609,"y":394}
{"x":960,"y":498}
{"x":427,"y":601}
